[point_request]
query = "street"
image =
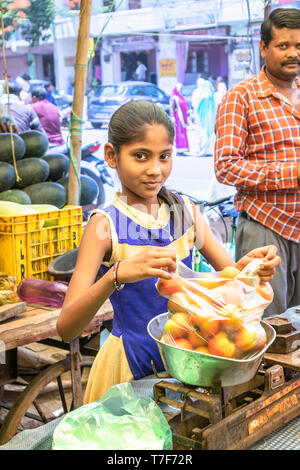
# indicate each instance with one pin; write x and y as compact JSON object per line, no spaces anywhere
{"x":191,"y":175}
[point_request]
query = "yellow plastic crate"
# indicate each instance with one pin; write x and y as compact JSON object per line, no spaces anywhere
{"x":29,"y":243}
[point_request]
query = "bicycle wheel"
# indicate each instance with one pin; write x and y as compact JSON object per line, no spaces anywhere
{"x":28,"y":396}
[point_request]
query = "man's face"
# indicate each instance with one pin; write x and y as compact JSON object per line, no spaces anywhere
{"x":282,"y":55}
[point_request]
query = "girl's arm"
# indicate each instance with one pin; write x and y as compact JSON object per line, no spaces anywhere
{"x":214,"y":252}
{"x":85,"y":296}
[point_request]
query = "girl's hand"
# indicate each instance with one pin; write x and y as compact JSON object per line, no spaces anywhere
{"x":271,"y":260}
{"x":150,"y":262}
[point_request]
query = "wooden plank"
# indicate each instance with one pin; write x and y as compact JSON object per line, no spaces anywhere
{"x":38,"y":323}
{"x":11,"y":310}
{"x":290,"y":360}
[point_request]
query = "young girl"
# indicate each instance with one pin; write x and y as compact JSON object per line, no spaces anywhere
{"x":135,"y":241}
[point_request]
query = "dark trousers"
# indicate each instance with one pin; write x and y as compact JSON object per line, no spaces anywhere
{"x":286,"y":282}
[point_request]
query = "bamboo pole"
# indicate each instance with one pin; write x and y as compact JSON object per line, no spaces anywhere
{"x":81,"y":62}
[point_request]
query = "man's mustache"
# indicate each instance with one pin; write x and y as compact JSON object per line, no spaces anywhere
{"x":291,"y":62}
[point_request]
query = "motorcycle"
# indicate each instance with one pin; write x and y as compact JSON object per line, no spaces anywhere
{"x":65,"y":115}
{"x":91,"y":166}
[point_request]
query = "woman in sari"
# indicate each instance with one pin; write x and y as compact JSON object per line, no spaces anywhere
{"x":204,"y":107}
{"x":179,"y":113}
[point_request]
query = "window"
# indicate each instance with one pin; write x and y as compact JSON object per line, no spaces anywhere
{"x":109,"y":91}
{"x":109,"y":5}
{"x":155,"y":92}
{"x":138,"y":91}
{"x":134,"y":4}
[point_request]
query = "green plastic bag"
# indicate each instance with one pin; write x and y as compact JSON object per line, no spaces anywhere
{"x":120,"y":420}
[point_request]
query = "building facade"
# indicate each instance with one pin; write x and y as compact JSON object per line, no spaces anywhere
{"x":178,"y":41}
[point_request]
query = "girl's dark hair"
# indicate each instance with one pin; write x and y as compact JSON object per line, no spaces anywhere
{"x":129,"y":123}
{"x":280,"y":18}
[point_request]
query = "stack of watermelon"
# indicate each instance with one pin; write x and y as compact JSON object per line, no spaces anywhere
{"x":44,"y":178}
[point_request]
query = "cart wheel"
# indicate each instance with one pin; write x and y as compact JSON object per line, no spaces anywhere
{"x":12,"y":420}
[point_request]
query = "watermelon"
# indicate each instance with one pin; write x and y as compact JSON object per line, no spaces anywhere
{"x":7,"y":176}
{"x":15,"y":195}
{"x":89,"y":188}
{"x":6,"y":148}
{"x":59,"y":165}
{"x":36,"y":143}
{"x":31,"y":171}
{"x":47,"y":193}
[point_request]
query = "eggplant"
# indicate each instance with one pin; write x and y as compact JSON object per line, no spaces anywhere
{"x":39,"y":291}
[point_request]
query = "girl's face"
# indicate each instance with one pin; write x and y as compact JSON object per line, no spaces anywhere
{"x":144,"y":165}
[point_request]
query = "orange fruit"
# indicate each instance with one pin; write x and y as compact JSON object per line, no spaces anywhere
{"x":168,"y":287}
{"x":209,"y":282}
{"x":230,"y":272}
{"x":265,"y":291}
{"x":210,"y":327}
{"x":261,"y":339}
{"x":203,"y":349}
{"x":246,"y":338}
{"x":184,"y":343}
{"x":178,"y":325}
{"x":220,"y":345}
{"x":195,"y":339}
{"x":207,"y":325}
{"x":197,"y":320}
{"x":233,"y":317}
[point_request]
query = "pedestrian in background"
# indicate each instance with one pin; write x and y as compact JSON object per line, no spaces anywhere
{"x":140,"y":71}
{"x":257,"y":151}
{"x":24,"y":81}
{"x":179,"y":112}
{"x":48,"y":115}
{"x":204,"y":107}
{"x":219,"y":93}
{"x":49,"y":96}
{"x":23,"y":115}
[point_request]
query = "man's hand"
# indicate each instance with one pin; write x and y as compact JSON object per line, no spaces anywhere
{"x":5,"y":126}
{"x":270,"y":261}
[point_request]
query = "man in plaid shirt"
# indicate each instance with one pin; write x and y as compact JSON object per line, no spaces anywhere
{"x":258,"y":151}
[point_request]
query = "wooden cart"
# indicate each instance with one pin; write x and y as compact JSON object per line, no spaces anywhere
{"x":38,"y":324}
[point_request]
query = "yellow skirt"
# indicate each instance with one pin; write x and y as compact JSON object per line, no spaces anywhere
{"x":109,"y":368}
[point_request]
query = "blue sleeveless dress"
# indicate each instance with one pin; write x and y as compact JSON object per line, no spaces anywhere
{"x":129,"y":345}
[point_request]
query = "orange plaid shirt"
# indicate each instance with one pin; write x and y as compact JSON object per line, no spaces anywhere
{"x":257,"y":149}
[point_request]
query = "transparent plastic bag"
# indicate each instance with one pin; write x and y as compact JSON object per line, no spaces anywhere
{"x":8,"y":282}
{"x":8,"y":289}
{"x":216,"y":313}
{"x":120,"y":420}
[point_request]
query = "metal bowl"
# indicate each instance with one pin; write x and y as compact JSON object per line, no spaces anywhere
{"x":203,"y":370}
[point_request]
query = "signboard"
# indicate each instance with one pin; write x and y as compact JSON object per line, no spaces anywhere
{"x":91,"y":48}
{"x":167,"y":68}
{"x":241,"y":60}
{"x":189,"y":15}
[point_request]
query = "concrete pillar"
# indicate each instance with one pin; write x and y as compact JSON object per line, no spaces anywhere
{"x":166,"y":52}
